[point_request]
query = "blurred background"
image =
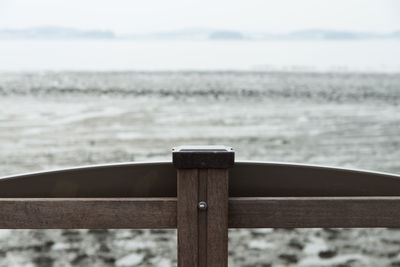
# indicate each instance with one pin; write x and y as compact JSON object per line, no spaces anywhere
{"x":92,"y":82}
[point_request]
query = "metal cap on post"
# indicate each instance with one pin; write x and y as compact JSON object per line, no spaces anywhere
{"x":203,"y":157}
{"x":202,"y":209}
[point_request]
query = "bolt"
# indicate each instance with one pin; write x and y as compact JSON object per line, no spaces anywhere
{"x":202,"y":205}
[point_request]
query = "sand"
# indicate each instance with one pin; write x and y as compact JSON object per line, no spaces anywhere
{"x":58,"y":120}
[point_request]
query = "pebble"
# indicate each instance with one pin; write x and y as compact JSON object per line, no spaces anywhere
{"x":326,"y":254}
{"x":259,"y":244}
{"x":289,"y":258}
{"x":129,"y":260}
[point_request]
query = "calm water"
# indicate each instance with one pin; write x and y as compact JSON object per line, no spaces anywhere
{"x":372,"y":55}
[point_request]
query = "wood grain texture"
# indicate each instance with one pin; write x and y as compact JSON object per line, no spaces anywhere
{"x":87,"y":213}
{"x":202,"y":251}
{"x":187,"y":220}
{"x":217,"y":218}
{"x":92,"y":213}
{"x":308,"y":212}
{"x":263,"y":179}
{"x":150,"y":179}
{"x":202,"y":234}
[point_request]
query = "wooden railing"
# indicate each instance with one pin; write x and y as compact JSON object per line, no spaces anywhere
{"x":202,"y":193}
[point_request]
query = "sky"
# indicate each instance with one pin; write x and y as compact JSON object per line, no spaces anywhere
{"x":141,"y":16}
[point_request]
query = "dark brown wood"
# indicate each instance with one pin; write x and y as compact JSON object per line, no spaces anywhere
{"x":87,"y":213}
{"x":246,"y":179}
{"x":151,"y":179}
{"x":308,"y":212}
{"x":202,"y":230}
{"x":268,"y":179}
{"x":217,"y":218}
{"x":203,"y":176}
{"x":202,"y":234}
{"x":187,"y":220}
{"x":55,"y":213}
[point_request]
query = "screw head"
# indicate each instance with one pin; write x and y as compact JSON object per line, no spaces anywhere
{"x":202,"y":205}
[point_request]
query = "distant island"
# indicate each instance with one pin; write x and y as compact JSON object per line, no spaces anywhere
{"x":55,"y":33}
{"x":226,"y":35}
{"x":194,"y":34}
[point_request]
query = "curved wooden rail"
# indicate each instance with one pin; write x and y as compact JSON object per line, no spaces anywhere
{"x":158,"y":179}
{"x":153,"y":179}
{"x":265,"y":179}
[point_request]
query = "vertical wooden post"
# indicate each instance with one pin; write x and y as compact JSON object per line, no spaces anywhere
{"x":202,"y":216}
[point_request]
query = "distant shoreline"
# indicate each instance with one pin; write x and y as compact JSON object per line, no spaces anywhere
{"x":203,"y":34}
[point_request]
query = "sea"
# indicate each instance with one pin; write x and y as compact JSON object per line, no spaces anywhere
{"x":120,"y":55}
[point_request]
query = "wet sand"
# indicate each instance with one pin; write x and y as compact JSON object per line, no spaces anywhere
{"x":57,"y":120}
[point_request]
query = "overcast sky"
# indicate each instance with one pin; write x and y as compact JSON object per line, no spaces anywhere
{"x":134,"y":16}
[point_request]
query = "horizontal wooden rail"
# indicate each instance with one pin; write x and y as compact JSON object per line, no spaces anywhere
{"x":309,"y":212}
{"x":134,"y":213}
{"x":87,"y":213}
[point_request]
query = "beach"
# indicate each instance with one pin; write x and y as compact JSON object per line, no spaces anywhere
{"x":52,"y":120}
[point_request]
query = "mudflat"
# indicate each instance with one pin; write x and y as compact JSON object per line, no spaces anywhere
{"x":61,"y":119}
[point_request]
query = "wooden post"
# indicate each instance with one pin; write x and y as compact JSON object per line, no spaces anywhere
{"x":202,"y":205}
